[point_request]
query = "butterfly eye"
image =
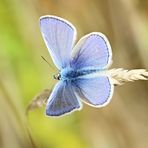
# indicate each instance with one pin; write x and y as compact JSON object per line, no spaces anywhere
{"x":57,"y":76}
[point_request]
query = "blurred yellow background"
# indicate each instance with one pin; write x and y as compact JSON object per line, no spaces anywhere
{"x":122,"y":124}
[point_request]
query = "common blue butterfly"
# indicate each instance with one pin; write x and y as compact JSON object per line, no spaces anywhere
{"x":82,"y":67}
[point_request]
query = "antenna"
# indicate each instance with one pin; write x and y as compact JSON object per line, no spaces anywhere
{"x":47,"y":62}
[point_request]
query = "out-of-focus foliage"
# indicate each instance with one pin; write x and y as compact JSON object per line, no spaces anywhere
{"x":123,"y":123}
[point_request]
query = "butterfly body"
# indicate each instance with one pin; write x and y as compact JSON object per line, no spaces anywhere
{"x":81,"y":67}
{"x":73,"y":74}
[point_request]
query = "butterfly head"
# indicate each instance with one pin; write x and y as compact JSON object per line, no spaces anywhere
{"x":57,"y":76}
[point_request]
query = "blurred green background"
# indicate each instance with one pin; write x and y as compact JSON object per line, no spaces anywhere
{"x":122,"y":124}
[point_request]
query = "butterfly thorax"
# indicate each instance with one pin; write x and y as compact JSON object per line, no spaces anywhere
{"x":72,"y":74}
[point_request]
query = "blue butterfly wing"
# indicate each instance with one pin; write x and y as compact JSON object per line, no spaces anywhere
{"x":62,"y":100}
{"x":92,"y":51}
{"x":59,"y":36}
{"x":96,"y":91}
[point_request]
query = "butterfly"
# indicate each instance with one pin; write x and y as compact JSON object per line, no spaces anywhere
{"x":82,"y":67}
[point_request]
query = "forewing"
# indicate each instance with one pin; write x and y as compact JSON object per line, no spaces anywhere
{"x":59,"y":36}
{"x":96,"y":91}
{"x":62,"y":100}
{"x":92,"y":51}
